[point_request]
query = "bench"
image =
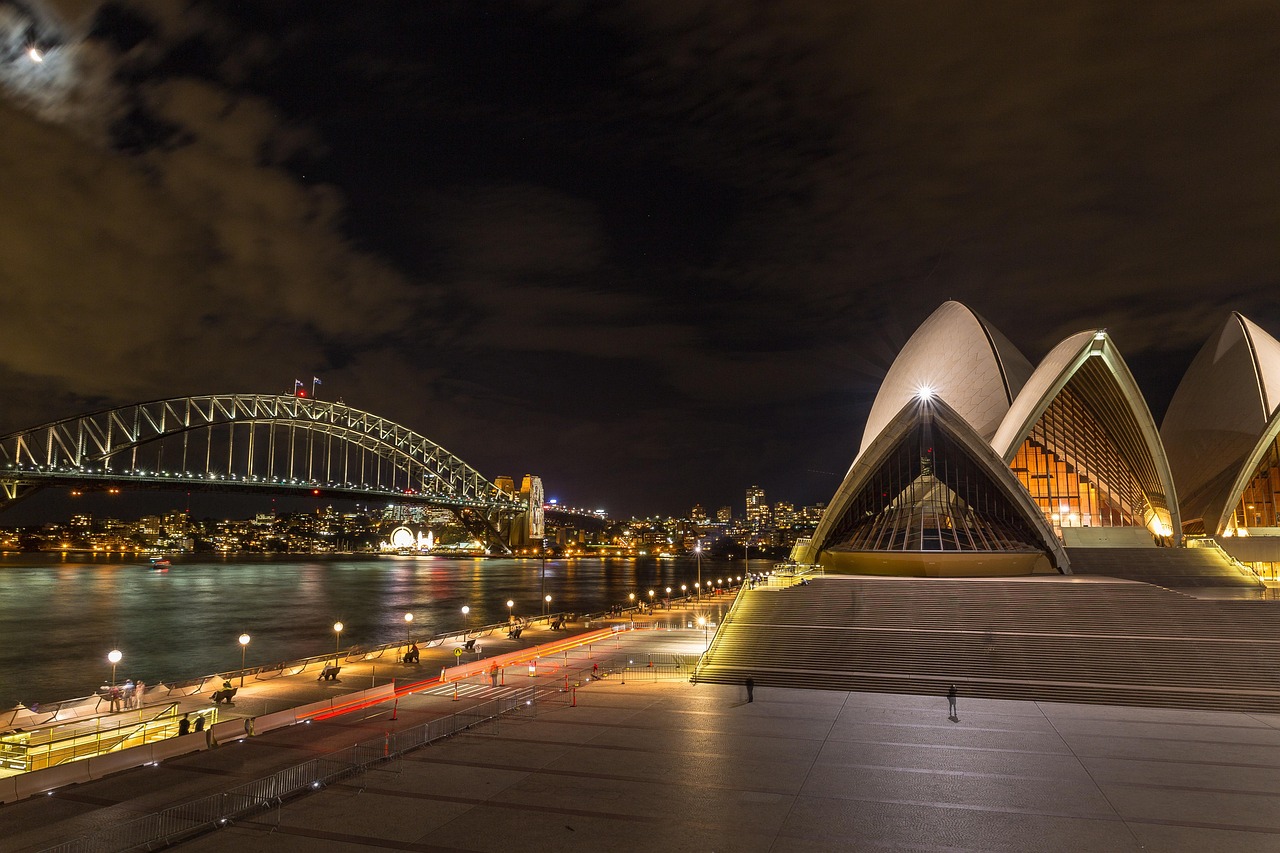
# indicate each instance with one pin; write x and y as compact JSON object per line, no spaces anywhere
{"x":329,"y":673}
{"x":224,"y":695}
{"x":469,"y":645}
{"x":557,"y":625}
{"x":514,"y":633}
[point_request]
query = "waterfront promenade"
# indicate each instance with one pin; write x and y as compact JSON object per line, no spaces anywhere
{"x":670,"y":765}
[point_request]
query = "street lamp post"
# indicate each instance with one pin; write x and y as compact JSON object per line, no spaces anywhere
{"x":697,"y":552}
{"x":510,"y":612}
{"x":544,"y":575}
{"x":337,"y":640}
{"x":408,"y":620}
{"x":684,"y":592}
{"x":114,"y":656}
{"x":546,"y":604}
{"x":466,"y":619}
{"x":244,"y":647}
{"x":632,"y":596}
{"x":697,"y":590}
{"x":702,"y":623}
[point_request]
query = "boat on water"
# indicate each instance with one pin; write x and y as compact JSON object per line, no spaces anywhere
{"x":160,"y":563}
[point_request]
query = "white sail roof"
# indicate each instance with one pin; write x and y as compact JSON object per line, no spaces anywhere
{"x":1219,"y":415}
{"x":960,"y":358}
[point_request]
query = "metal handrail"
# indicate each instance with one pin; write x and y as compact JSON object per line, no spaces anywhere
{"x":218,"y":810}
{"x":266,"y":672}
{"x":728,"y":617}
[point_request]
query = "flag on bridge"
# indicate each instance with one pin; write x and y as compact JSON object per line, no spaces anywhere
{"x":297,"y":388}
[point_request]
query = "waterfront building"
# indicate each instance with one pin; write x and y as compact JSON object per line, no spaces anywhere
{"x":974,"y":463}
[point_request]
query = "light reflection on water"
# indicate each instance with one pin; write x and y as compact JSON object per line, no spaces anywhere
{"x":60,"y":616}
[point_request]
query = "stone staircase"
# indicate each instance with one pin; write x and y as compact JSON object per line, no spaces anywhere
{"x":1169,"y":567}
{"x":1051,"y":639}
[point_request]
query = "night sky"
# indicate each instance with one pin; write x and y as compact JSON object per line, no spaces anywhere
{"x":655,"y":252}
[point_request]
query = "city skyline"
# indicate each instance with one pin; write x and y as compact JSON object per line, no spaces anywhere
{"x":650,"y":252}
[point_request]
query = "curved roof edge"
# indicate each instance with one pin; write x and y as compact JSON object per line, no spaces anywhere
{"x":1053,"y":374}
{"x":1220,"y":408}
{"x":1251,"y":462}
{"x":1265,"y":351}
{"x":953,"y":422}
{"x":959,"y":357}
{"x":1049,"y":378}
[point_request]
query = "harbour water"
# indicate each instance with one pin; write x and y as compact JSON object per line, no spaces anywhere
{"x":61,"y":614}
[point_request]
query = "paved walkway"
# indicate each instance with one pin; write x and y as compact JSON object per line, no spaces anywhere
{"x":258,"y":697}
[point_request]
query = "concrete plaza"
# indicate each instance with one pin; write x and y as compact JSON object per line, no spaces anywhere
{"x":669,"y":766}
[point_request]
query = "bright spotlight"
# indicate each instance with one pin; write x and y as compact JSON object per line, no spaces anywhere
{"x":924,"y":392}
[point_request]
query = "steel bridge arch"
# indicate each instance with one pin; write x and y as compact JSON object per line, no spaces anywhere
{"x":92,"y":446}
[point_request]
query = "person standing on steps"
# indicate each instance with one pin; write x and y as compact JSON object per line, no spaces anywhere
{"x":751,"y":687}
{"x":951,"y":703}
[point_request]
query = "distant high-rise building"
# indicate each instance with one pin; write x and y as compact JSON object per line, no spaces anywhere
{"x":784,"y":514}
{"x":757,"y":508}
{"x":724,"y":514}
{"x":813,"y":514}
{"x":698,"y":513}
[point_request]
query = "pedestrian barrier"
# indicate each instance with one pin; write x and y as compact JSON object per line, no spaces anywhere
{"x":213,"y":812}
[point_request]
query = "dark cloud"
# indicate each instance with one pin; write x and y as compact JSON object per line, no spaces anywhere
{"x":656,"y":252}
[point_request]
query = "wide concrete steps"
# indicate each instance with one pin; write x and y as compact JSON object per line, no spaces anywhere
{"x":1046,"y":640}
{"x":1169,"y":567}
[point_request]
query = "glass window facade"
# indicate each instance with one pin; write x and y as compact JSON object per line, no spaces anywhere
{"x":929,"y":494}
{"x":1075,"y":472}
{"x":1259,"y":504}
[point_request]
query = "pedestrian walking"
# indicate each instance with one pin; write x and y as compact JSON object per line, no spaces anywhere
{"x":128,"y":694}
{"x":951,"y":703}
{"x":184,"y":725}
{"x":751,"y":686}
{"x":115,"y":698}
{"x":200,"y":723}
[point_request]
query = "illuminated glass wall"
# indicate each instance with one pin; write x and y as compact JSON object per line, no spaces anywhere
{"x":1259,"y":504}
{"x":1075,"y":472}
{"x":929,"y":494}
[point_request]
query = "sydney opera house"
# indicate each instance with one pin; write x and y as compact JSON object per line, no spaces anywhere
{"x":976,"y":462}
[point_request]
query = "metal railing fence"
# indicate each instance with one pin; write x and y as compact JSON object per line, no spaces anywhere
{"x":177,"y":823}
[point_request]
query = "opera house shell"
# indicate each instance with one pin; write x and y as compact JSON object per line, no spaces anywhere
{"x":1222,"y":434}
{"x":973,"y":463}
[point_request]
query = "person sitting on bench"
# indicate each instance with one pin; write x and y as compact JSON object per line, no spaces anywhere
{"x":469,"y":645}
{"x":223,"y":695}
{"x":329,"y":673}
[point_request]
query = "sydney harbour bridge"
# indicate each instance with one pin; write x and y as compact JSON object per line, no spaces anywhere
{"x":262,"y":443}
